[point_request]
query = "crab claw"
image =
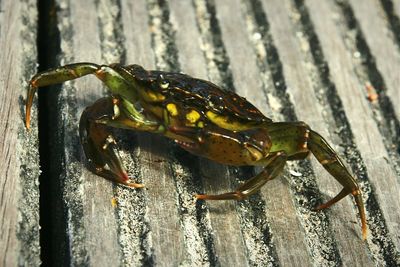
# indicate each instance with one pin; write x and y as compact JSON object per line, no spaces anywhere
{"x":100,"y":146}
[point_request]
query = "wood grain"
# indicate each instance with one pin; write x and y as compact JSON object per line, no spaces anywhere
{"x":294,"y":60}
{"x":191,"y":59}
{"x":298,"y":75}
{"x":19,"y":158}
{"x":382,"y":46}
{"x":248,"y":83}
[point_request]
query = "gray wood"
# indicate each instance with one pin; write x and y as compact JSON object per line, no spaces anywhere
{"x":396,"y":7}
{"x":226,"y":42}
{"x":229,"y":246}
{"x":192,"y":62}
{"x":301,"y":87}
{"x":92,"y":228}
{"x":165,"y":221}
{"x":381,"y":43}
{"x":248,"y":83}
{"x":19,"y":157}
{"x":366,"y":135}
{"x":160,"y":215}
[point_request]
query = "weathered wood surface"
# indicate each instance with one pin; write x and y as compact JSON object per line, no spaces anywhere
{"x":314,"y":61}
{"x":19,"y":155}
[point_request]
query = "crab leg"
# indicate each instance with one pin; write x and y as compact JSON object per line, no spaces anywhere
{"x":117,"y":84}
{"x":98,"y":143}
{"x":201,"y":143}
{"x":100,"y":146}
{"x":297,"y":140}
{"x":274,"y":165}
{"x":332,"y":163}
{"x":54,"y":76}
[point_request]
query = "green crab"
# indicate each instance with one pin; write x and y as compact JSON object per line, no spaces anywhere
{"x":201,"y":118}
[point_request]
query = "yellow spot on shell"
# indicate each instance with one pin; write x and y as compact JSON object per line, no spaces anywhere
{"x":227,"y":123}
{"x":154,"y":96}
{"x":172,"y":109}
{"x":200,"y":124}
{"x":192,"y":116}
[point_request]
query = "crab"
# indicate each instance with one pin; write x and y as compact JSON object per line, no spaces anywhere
{"x":201,"y":118}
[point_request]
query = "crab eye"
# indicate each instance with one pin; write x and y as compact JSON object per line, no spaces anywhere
{"x":162,"y":82}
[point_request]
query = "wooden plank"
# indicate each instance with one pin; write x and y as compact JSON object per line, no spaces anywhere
{"x":279,"y":205}
{"x":382,"y":46}
{"x":396,"y":7}
{"x":201,"y":235}
{"x":230,"y":43}
{"x":228,"y":243}
{"x":172,"y":246}
{"x":188,"y":39}
{"x":135,"y":236}
{"x":366,"y":135}
{"x":19,"y":159}
{"x":91,"y":229}
{"x":293,"y":55}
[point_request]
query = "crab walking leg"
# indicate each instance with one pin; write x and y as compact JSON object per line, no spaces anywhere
{"x":117,"y":84}
{"x":332,"y":163}
{"x":100,"y":146}
{"x":297,"y":140}
{"x":274,"y":166}
{"x":54,"y":76}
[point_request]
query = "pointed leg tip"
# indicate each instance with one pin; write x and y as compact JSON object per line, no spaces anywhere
{"x":126,"y":180}
{"x":200,"y":196}
{"x":135,"y":185}
{"x":361,"y":210}
{"x":364,"y":235}
{"x":364,"y":230}
{"x":27,"y":119}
